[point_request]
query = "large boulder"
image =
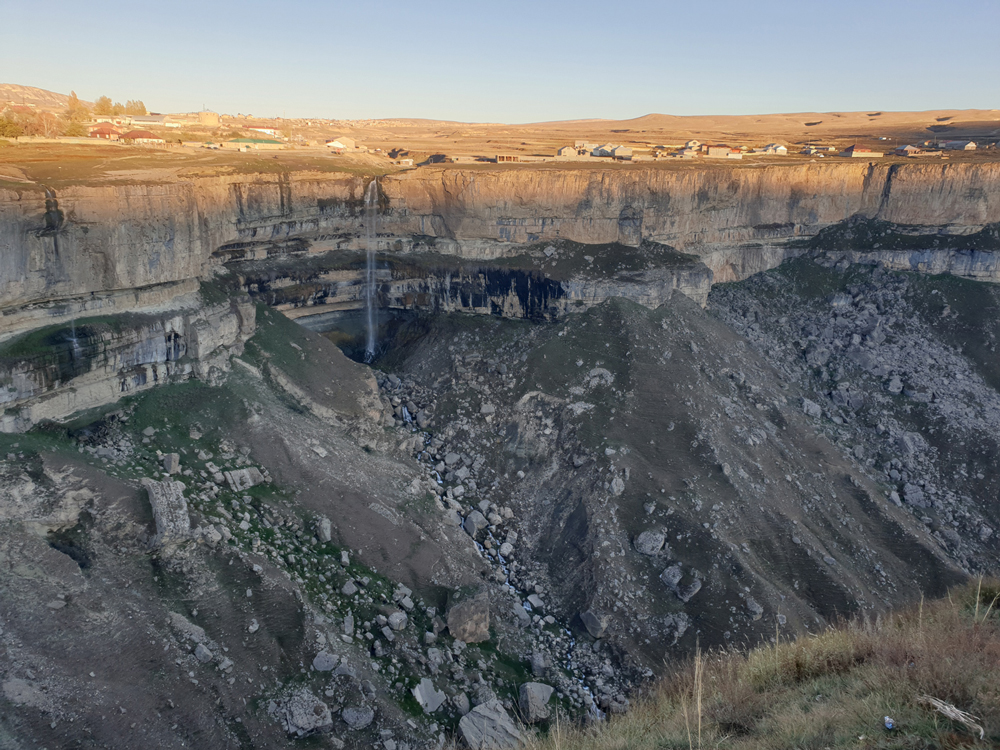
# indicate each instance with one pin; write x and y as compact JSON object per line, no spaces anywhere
{"x":474,"y":523}
{"x":302,"y":713}
{"x":533,"y":700}
{"x":469,"y":620}
{"x":595,"y":623}
{"x":488,"y":727}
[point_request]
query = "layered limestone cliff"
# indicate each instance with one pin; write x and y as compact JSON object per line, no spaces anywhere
{"x":478,"y":288}
{"x":114,"y":248}
{"x":56,"y":372}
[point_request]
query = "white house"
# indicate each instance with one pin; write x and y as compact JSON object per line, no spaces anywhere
{"x":621,"y":152}
{"x":341,"y":144}
{"x":960,"y":146}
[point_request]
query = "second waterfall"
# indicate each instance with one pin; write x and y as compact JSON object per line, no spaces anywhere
{"x":371,"y":290}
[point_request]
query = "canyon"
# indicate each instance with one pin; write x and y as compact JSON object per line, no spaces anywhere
{"x":615,"y":415}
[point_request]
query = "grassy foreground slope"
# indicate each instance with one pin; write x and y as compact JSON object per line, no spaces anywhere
{"x":831,"y":690}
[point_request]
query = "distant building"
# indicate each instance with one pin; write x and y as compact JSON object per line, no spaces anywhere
{"x":568,"y":152}
{"x":141,"y":137}
{"x":343,"y":142}
{"x":722,"y":151}
{"x":405,"y":162}
{"x":859,"y":152}
{"x":773,"y":149}
{"x":206,"y":117}
{"x":603,"y":150}
{"x":689,"y":153}
{"x":693,"y":144}
{"x":960,"y":146}
{"x":909,"y":151}
{"x":148,"y":120}
{"x":252,"y":144}
{"x":507,"y":158}
{"x":262,"y":129}
{"x":622,"y":152}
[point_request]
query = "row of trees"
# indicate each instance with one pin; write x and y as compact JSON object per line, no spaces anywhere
{"x":17,"y":121}
{"x":46,"y":124}
{"x":104,"y":106}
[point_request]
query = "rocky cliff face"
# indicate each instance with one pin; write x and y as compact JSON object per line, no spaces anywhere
{"x":55,"y":373}
{"x":130,"y":247}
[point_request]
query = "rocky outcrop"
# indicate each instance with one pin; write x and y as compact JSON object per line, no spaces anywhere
{"x":56,"y":372}
{"x":170,"y":512}
{"x":127,"y":247}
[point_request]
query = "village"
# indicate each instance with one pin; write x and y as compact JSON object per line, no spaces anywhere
{"x":409,"y":144}
{"x":133,"y":130}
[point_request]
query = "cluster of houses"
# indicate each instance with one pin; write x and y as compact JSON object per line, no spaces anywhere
{"x":141,"y":122}
{"x":108,"y":132}
{"x":926,"y":149}
{"x":693,"y":149}
{"x":690,"y":150}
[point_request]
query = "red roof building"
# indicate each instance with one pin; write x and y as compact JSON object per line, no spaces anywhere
{"x":105,"y":131}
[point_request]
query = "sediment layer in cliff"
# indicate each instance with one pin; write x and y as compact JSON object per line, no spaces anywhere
{"x":59,"y":251}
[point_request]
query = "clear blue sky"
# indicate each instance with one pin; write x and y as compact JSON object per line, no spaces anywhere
{"x":513,"y":61}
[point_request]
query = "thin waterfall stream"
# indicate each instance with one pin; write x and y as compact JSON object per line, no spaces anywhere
{"x":371,"y":292}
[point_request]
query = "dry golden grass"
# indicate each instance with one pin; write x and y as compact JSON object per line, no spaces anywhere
{"x":830,"y":690}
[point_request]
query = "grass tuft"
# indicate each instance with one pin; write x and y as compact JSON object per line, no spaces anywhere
{"x":932,"y":668}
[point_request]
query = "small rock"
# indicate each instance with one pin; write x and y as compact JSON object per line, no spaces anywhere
{"x":357,"y":717}
{"x":171,"y":462}
{"x":429,"y":698}
{"x":811,"y":408}
{"x":325,"y":662}
{"x":324,"y":530}
{"x":397,"y":621}
{"x":650,"y":542}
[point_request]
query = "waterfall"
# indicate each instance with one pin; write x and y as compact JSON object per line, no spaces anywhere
{"x":371,"y":231}
{"x":74,"y":342}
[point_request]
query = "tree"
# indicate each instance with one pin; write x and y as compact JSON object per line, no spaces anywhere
{"x":10,"y":129}
{"x":135,"y":107}
{"x":118,"y":109}
{"x":76,"y":130}
{"x":76,"y":111}
{"x":102,"y":106}
{"x":48,"y":125}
